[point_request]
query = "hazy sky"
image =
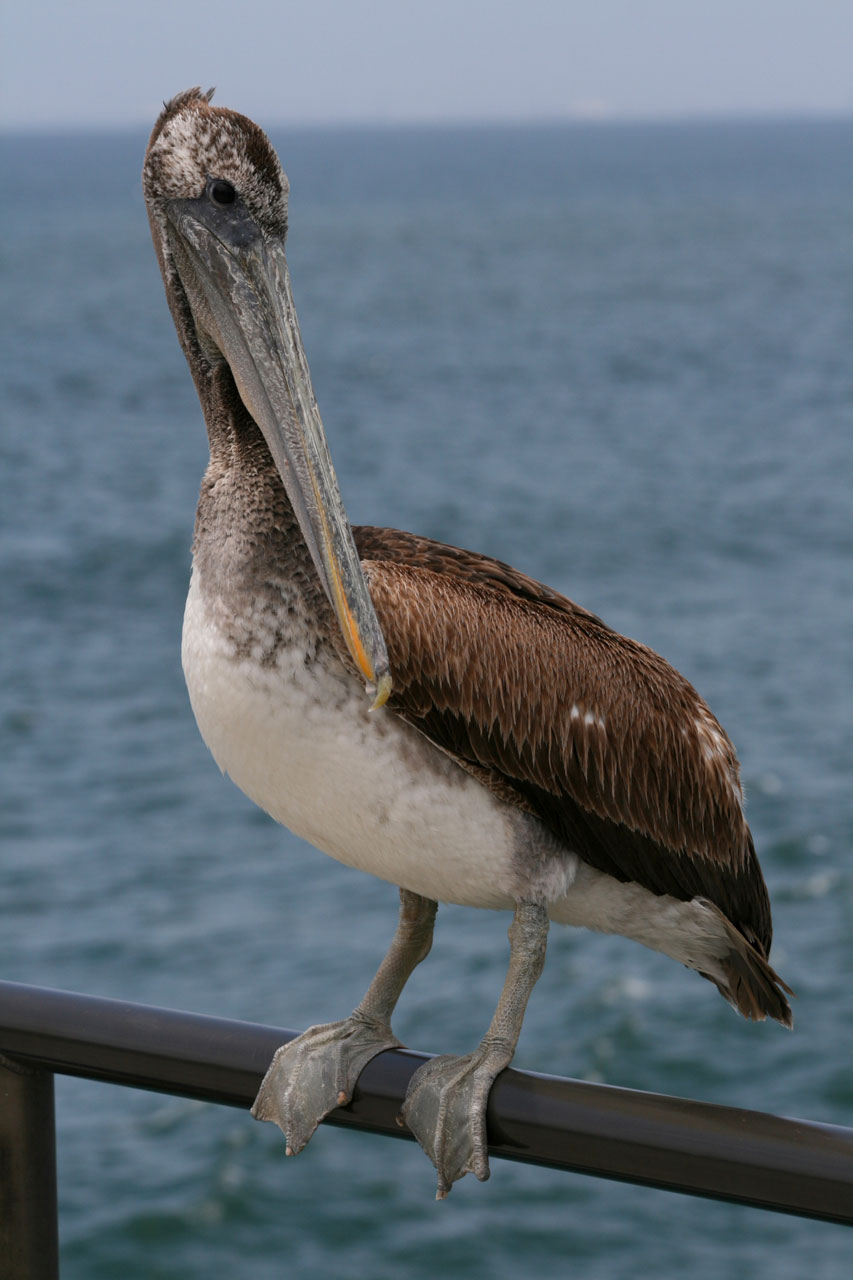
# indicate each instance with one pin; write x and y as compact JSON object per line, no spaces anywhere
{"x":111,"y":62}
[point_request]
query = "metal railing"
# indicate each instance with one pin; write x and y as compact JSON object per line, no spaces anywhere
{"x":791,"y":1166}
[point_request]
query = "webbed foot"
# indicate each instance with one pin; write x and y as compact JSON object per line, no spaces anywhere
{"x":445,"y":1109}
{"x":316,"y":1072}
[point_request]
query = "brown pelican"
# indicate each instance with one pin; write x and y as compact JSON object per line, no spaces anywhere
{"x":512,"y":750}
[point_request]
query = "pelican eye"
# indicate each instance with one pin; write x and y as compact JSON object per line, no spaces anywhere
{"x":221,"y":192}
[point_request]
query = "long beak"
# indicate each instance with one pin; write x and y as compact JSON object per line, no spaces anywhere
{"x":241,"y":297}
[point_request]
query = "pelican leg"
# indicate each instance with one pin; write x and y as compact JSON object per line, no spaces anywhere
{"x":317,"y":1071}
{"x":446,"y":1100}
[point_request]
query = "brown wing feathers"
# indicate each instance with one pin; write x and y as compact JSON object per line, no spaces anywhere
{"x":596,"y":734}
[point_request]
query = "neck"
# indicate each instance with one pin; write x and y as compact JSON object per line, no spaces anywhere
{"x":248,"y":548}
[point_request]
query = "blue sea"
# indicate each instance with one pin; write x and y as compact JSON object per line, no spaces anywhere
{"x":620,"y":358}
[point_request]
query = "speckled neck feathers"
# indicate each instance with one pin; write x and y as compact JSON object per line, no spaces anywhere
{"x":248,"y":550}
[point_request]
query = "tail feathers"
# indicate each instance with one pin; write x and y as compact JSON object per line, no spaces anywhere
{"x":749,"y":982}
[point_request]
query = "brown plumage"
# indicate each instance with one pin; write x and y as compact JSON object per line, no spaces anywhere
{"x":595,"y":734}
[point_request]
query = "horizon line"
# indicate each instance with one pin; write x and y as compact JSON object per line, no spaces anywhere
{"x":575,"y":119}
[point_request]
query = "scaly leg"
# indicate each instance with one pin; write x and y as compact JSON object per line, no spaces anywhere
{"x":317,"y":1071}
{"x":446,"y":1100}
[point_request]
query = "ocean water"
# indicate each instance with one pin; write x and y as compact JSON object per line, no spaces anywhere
{"x":619,"y":358}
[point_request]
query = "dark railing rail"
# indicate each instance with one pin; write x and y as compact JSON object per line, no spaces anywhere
{"x":792,"y":1166}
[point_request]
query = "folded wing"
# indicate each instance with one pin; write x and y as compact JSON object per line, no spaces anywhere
{"x":594,"y":733}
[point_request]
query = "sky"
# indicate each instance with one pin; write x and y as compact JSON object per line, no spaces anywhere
{"x":110,"y":63}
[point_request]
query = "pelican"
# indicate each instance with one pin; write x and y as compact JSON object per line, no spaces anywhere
{"x":424,"y":713}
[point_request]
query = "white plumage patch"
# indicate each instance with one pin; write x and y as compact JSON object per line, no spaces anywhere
{"x":363,"y":786}
{"x":689,"y":932}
